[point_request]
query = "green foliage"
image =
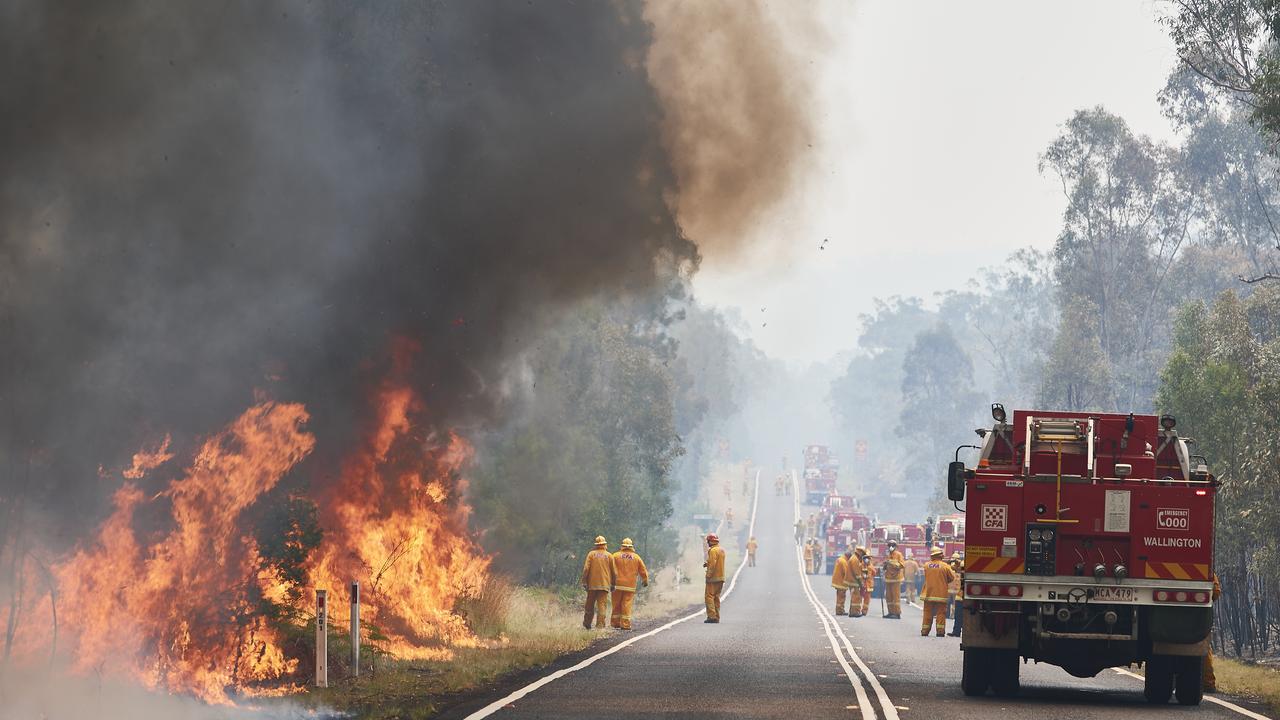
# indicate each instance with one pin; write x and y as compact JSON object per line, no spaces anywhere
{"x":1222,"y":382}
{"x":286,"y":533}
{"x":591,"y":451}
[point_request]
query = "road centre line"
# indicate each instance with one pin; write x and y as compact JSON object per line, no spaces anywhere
{"x":864,"y":703}
{"x":1218,"y":701}
{"x":890,"y":710}
{"x":497,"y":705}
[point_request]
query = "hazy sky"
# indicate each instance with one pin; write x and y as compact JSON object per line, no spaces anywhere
{"x":932,"y":116}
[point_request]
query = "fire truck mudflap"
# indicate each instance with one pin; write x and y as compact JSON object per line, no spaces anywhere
{"x":1089,"y":545}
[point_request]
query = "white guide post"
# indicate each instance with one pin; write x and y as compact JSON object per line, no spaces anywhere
{"x":322,"y":639}
{"x":355,"y":629}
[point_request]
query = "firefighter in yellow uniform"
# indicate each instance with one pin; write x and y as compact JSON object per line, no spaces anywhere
{"x":751,"y":551}
{"x":808,"y":557}
{"x":715,"y":577}
{"x":893,"y":576}
{"x":1208,"y":680}
{"x":910,"y":568}
{"x":867,"y":582}
{"x":937,"y":577}
{"x":628,"y":568}
{"x":856,"y":571}
{"x":597,"y":580}
{"x":956,"y":610}
{"x":841,"y":579}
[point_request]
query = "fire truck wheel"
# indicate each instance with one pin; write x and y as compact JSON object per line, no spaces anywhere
{"x":1158,"y":685}
{"x":1004,"y":673}
{"x":1188,"y":682}
{"x":975,"y":675}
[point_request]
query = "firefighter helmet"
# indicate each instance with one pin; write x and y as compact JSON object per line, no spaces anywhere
{"x":712,"y":538}
{"x":601,"y":541}
{"x":936,"y":552}
{"x":626,"y":543}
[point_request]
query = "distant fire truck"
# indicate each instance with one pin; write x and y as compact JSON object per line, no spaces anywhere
{"x":846,"y":528}
{"x":820,"y":472}
{"x":910,"y":539}
{"x":950,"y":534}
{"x":1089,"y":545}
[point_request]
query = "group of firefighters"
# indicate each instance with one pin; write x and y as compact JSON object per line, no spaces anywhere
{"x":853,"y":579}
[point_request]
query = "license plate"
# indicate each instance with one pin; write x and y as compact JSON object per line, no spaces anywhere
{"x":1114,"y":595}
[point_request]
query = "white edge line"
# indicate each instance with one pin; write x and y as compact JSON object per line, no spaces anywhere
{"x":1218,"y":701}
{"x":890,"y":711}
{"x":497,"y":705}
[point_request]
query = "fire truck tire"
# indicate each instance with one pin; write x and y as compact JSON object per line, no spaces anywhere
{"x":1188,"y":682}
{"x":1004,"y":673}
{"x":1158,"y":685}
{"x":975,"y":674}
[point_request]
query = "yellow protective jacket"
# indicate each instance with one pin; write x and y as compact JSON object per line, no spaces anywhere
{"x":937,"y":577}
{"x":598,"y":572}
{"x":841,"y":578}
{"x":715,"y":564}
{"x":893,"y":566}
{"x":752,"y":545}
{"x":627,"y":568}
{"x":910,"y":568}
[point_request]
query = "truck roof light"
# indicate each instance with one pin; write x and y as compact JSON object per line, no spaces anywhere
{"x":997,"y":412}
{"x":1168,"y":422}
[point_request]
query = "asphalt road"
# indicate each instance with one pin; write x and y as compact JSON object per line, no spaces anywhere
{"x":772,"y":656}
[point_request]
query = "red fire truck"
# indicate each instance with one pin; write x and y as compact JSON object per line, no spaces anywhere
{"x":846,"y":528}
{"x":820,"y":471}
{"x":950,"y":534}
{"x":910,"y":539}
{"x":1089,"y":545}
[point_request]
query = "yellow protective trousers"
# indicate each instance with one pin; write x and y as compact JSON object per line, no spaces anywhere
{"x":841,"y":594}
{"x":597,"y":607}
{"x":865,"y":604}
{"x":893,"y":596}
{"x":934,"y":611}
{"x":623,"y":600}
{"x":713,"y":599}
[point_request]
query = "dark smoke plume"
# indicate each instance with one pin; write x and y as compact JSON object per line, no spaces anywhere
{"x":200,"y":200}
{"x":204,"y":201}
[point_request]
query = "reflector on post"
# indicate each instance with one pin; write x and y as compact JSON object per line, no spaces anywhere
{"x":322,"y":639}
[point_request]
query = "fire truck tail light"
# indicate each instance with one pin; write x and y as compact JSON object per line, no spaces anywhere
{"x":1202,"y":492}
{"x":1181,"y":596}
{"x":975,"y":590}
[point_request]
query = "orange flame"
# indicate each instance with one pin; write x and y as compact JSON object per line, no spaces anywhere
{"x":177,"y":611}
{"x":179,"y":608}
{"x":394,"y":523}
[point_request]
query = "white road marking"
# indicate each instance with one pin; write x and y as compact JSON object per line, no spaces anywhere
{"x":1216,"y":700}
{"x":868,"y":710}
{"x":890,"y":711}
{"x":497,"y":705}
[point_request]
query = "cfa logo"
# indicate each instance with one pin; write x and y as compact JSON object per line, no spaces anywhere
{"x":995,"y":518}
{"x":1173,"y":519}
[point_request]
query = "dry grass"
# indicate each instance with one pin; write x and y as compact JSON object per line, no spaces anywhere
{"x":523,"y":628}
{"x":1256,"y":682}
